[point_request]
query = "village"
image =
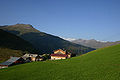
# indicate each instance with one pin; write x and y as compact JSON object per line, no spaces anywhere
{"x":26,"y":58}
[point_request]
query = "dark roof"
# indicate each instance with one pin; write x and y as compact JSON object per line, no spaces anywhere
{"x":60,"y":55}
{"x":10,"y":61}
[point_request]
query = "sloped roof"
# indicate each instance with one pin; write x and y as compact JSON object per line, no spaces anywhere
{"x":59,"y":55}
{"x":60,"y":50}
{"x":10,"y":61}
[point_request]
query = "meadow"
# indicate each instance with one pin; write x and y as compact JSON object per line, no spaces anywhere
{"x":101,"y":64}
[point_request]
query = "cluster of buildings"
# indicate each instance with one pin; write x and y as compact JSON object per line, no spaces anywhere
{"x":58,"y":54}
{"x":32,"y":57}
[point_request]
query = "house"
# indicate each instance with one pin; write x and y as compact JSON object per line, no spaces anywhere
{"x":12,"y":61}
{"x":31,"y":57}
{"x":60,"y":54}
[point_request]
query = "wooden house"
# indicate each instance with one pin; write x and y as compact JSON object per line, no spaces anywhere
{"x":60,"y":54}
{"x":12,"y":61}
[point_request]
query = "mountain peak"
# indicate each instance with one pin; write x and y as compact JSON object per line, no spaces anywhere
{"x":27,"y":26}
{"x":20,"y":29}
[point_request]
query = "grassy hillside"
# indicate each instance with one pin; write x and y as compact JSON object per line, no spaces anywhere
{"x":102,"y":64}
{"x":44,"y":42}
{"x":5,"y":53}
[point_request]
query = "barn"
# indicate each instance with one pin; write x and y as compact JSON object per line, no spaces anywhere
{"x":12,"y":61}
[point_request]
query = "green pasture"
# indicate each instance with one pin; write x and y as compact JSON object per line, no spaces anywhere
{"x":101,"y":64}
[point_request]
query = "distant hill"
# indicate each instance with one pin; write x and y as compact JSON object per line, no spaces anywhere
{"x":12,"y":45}
{"x":101,"y":64}
{"x":44,"y":42}
{"x":94,"y":43}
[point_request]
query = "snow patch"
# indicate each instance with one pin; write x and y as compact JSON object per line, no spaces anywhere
{"x":68,"y":39}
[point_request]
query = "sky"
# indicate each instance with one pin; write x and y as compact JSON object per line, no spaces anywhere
{"x":86,"y":19}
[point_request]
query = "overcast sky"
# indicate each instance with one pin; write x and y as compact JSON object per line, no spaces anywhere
{"x":87,"y":19}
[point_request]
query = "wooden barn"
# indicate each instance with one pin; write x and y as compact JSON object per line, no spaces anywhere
{"x":12,"y":61}
{"x":60,"y":54}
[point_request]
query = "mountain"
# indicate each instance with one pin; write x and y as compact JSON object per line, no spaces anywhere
{"x":94,"y":43}
{"x":44,"y":42}
{"x":12,"y":45}
{"x":101,"y":64}
{"x":9,"y":40}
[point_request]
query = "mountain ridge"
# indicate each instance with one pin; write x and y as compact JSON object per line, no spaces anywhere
{"x":95,"y":43}
{"x":44,"y":42}
{"x":12,"y":41}
{"x":12,"y":45}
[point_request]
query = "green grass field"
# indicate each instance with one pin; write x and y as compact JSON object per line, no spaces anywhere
{"x":102,"y":64}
